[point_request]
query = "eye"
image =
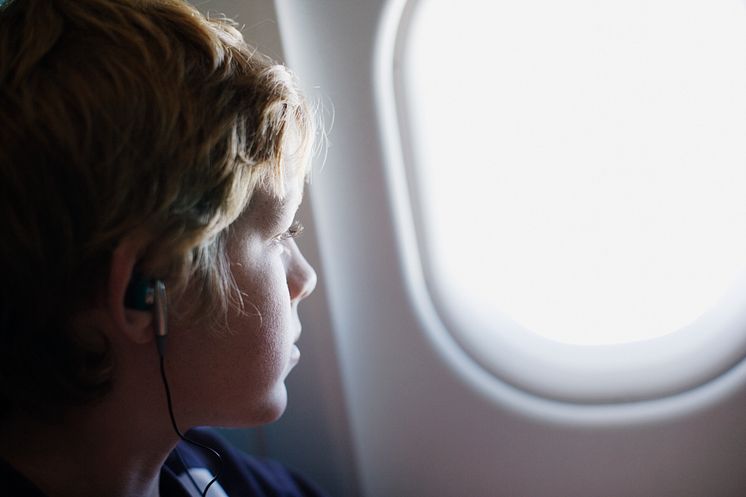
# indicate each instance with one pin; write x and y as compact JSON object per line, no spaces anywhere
{"x":293,"y":231}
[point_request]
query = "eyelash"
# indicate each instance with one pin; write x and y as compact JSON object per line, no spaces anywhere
{"x":293,"y":231}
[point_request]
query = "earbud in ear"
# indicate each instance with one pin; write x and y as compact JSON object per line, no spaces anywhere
{"x":146,"y":295}
{"x":140,"y":293}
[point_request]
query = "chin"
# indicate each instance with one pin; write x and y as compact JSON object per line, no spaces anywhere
{"x":264,"y":411}
{"x":276,"y":407}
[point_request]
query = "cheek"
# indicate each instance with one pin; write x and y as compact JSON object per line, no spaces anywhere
{"x":264,"y":291}
{"x":254,"y":364}
{"x":266,"y":325}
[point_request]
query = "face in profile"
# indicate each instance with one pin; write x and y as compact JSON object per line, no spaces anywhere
{"x":236,"y":377}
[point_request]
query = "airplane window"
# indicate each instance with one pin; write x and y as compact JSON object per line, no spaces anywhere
{"x":578,"y":167}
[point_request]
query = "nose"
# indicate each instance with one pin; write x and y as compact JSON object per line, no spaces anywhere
{"x":301,"y":276}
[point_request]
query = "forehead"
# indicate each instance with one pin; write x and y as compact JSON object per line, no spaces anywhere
{"x":268,"y":208}
{"x":274,"y":200}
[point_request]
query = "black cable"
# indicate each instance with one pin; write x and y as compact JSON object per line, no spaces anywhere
{"x":184,"y":438}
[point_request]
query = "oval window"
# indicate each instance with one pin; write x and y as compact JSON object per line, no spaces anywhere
{"x":578,"y":172}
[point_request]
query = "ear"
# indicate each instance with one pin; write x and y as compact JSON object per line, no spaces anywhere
{"x":135,"y":325}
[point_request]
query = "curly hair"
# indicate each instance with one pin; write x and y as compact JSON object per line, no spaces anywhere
{"x":123,"y":118}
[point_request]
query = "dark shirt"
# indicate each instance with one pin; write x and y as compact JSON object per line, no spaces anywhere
{"x":240,"y":475}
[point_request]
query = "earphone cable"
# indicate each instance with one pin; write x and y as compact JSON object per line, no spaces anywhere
{"x":187,"y":439}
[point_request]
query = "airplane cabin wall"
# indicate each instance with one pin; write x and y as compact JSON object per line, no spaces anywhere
{"x":383,"y":402}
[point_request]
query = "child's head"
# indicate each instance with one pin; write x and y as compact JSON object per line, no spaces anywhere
{"x":125,"y":119}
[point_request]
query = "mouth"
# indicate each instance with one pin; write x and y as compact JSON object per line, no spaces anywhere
{"x":294,"y":355}
{"x":294,"y":350}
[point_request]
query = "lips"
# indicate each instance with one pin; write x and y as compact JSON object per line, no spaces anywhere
{"x":294,"y":356}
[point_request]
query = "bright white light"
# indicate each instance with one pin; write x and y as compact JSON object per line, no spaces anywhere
{"x":581,"y":164}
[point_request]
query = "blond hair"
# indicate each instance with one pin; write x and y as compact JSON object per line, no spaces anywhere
{"x":123,"y":118}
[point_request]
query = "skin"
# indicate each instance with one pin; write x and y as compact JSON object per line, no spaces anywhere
{"x":259,"y":351}
{"x":117,"y":446}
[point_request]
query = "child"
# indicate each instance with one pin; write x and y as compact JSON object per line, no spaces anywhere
{"x":151,"y":165}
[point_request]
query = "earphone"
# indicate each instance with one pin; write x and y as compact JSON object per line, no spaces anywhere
{"x":145,"y":294}
{"x":140,"y":293}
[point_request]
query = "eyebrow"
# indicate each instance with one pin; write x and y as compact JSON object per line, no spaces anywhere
{"x":284,"y":202}
{"x":275,"y":209}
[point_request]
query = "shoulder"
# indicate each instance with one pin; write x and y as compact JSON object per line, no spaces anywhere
{"x":238,"y":474}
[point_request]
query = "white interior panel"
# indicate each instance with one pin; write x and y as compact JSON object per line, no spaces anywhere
{"x":385,"y":402}
{"x":427,"y":420}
